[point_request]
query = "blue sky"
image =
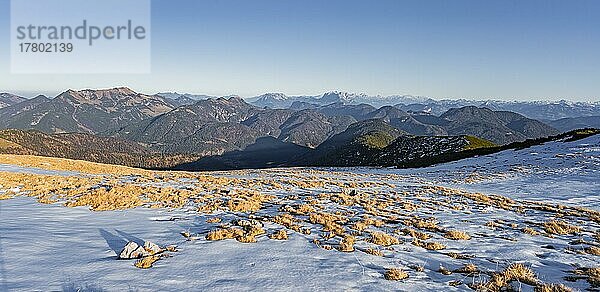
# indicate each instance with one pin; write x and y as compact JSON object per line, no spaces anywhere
{"x":511,"y":49}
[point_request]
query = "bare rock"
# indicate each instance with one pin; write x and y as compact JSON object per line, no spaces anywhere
{"x":133,"y":251}
{"x":152,"y":248}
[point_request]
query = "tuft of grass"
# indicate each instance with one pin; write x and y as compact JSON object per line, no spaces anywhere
{"x":428,"y":245}
{"x":383,"y":239}
{"x":455,"y":283}
{"x":521,"y":273}
{"x":373,"y":251}
{"x":330,"y":222}
{"x":347,"y":243}
{"x":363,"y":224}
{"x":467,"y":269}
{"x":394,"y":274}
{"x":279,"y":235}
{"x":115,"y":198}
{"x":530,"y":231}
{"x":250,"y":201}
{"x":221,"y":234}
{"x":560,"y":227}
{"x":592,"y":274}
{"x":249,"y":234}
{"x":592,"y":250}
{"x":147,"y":262}
{"x":457,"y":235}
{"x":416,"y":234}
{"x":246,"y":238}
{"x":213,"y":220}
{"x":359,"y":225}
{"x":428,"y":224}
{"x":459,"y":256}
{"x":514,"y":272}
{"x":552,"y":288}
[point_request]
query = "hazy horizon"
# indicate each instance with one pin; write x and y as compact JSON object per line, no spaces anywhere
{"x":52,"y":94}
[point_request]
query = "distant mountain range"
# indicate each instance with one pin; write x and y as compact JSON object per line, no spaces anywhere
{"x":85,"y":111}
{"x":335,"y":128}
{"x":539,"y":110}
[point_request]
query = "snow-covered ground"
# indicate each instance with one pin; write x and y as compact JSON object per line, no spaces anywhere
{"x":48,"y":247}
{"x":564,"y":173}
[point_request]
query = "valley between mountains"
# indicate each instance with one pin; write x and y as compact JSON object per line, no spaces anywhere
{"x":190,"y":132}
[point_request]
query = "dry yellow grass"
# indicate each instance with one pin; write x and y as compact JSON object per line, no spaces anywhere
{"x":394,"y":274}
{"x":245,"y":238}
{"x":166,"y":196}
{"x":249,"y":201}
{"x":301,"y":209}
{"x":221,"y":234}
{"x":530,"y":231}
{"x":373,"y":251}
{"x":254,"y":230}
{"x":521,"y":273}
{"x":147,"y":262}
{"x":457,"y":235}
{"x":552,"y":288}
{"x":50,"y":163}
{"x":6,"y":196}
{"x":8,"y":144}
{"x":514,"y":272}
{"x":359,"y":225}
{"x":428,"y":245}
{"x":347,"y":214}
{"x":560,"y":227}
{"x":467,"y":269}
{"x":327,"y":247}
{"x":459,"y":256}
{"x":428,"y":224}
{"x":210,"y":207}
{"x":115,"y":198}
{"x":279,"y":235}
{"x":383,"y":239}
{"x":593,"y":276}
{"x":347,"y":243}
{"x":213,"y":220}
{"x":366,"y":222}
{"x":592,"y":250}
{"x":416,"y":234}
{"x":329,"y":222}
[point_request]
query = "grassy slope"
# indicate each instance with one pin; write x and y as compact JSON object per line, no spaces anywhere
{"x":376,"y":140}
{"x":5,"y":144}
{"x":476,"y":143}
